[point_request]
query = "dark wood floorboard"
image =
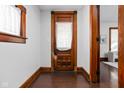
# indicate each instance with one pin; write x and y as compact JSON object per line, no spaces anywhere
{"x":108,"y":79}
{"x":108,"y":76}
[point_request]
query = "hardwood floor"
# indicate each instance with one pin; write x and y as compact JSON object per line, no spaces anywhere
{"x":108,"y":75}
{"x":108,"y":78}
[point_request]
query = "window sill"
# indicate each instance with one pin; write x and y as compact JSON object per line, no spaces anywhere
{"x":12,"y":38}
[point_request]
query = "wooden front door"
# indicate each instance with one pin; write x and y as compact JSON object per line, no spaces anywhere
{"x":64,"y":39}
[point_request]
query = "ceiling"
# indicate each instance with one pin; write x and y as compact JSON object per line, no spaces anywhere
{"x":109,"y":13}
{"x":60,"y":7}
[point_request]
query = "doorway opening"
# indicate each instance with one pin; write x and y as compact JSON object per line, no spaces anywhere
{"x":116,"y":45}
{"x":104,"y":44}
{"x":109,"y":44}
{"x":64,"y":40}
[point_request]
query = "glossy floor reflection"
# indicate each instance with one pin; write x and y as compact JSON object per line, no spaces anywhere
{"x":108,"y":79}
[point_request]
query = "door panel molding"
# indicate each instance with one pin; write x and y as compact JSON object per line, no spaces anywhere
{"x":63,"y":16}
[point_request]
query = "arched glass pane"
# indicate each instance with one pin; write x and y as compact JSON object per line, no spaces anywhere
{"x":63,"y":35}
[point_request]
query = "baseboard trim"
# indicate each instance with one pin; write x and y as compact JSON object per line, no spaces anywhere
{"x":46,"y":69}
{"x":31,"y":79}
{"x":34,"y":76}
{"x":103,"y":59}
{"x":82,"y":71}
{"x":41,"y":70}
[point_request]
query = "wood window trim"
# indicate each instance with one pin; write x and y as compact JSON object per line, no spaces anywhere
{"x":110,"y":28}
{"x":4,"y":37}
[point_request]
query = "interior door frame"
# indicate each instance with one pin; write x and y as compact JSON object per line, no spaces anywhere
{"x":121,"y":46}
{"x":74,"y":39}
{"x":95,"y":58}
{"x":94,"y":43}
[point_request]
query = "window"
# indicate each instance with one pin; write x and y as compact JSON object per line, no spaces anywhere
{"x":12,"y":23}
{"x":113,"y":39}
{"x":64,"y":35}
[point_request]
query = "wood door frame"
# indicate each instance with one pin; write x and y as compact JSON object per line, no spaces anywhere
{"x":121,"y":46}
{"x":95,"y":64}
{"x":74,"y":40}
{"x":94,"y":43}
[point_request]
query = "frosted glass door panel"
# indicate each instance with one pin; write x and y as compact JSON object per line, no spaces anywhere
{"x":114,"y":40}
{"x":63,"y":35}
{"x":10,"y":17}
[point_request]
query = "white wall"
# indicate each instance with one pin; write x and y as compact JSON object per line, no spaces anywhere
{"x":46,"y":38}
{"x":83,"y":55}
{"x":19,"y":61}
{"x":104,"y":31}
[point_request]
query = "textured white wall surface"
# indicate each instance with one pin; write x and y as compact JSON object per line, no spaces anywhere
{"x":19,"y":61}
{"x":83,"y":57}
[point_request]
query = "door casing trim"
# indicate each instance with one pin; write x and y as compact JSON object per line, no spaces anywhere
{"x":95,"y":65}
{"x":74,"y":36}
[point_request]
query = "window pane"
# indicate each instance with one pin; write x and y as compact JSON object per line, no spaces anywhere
{"x":63,"y":35}
{"x":10,"y":17}
{"x":114,"y":40}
